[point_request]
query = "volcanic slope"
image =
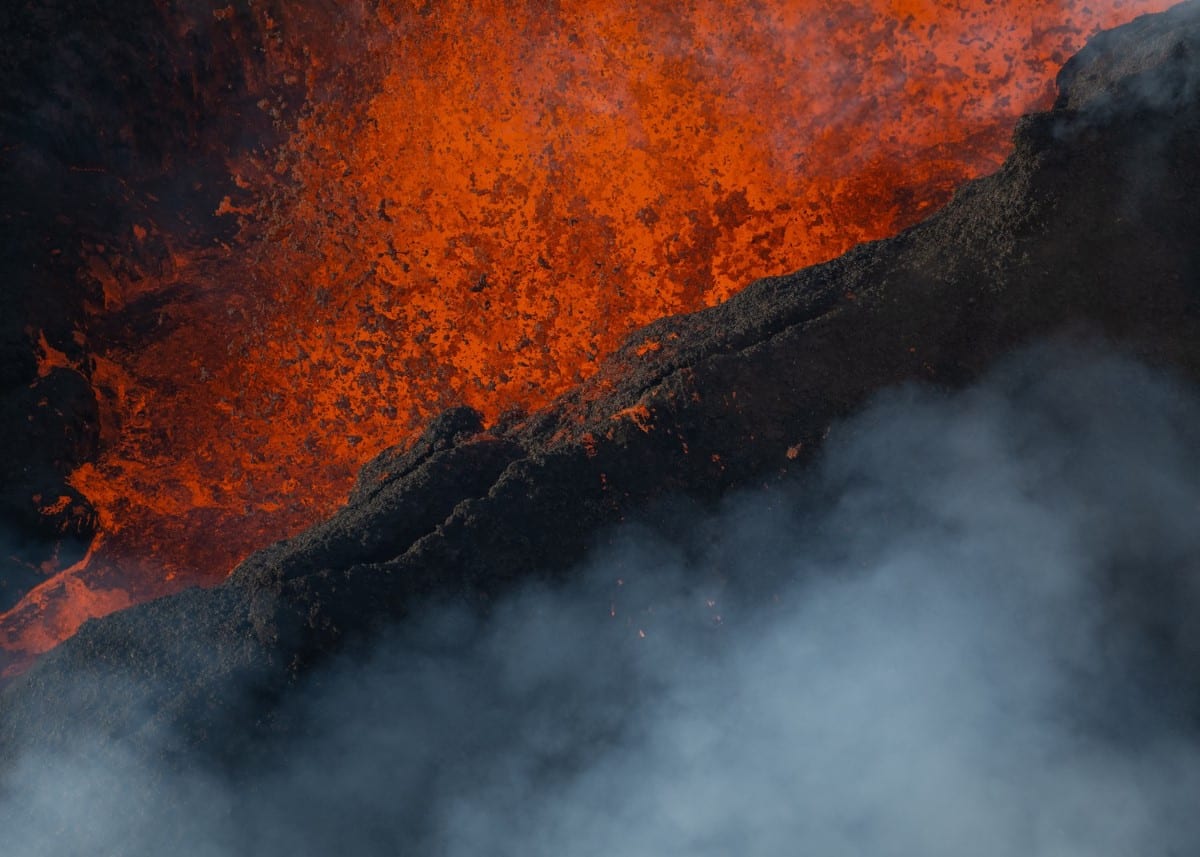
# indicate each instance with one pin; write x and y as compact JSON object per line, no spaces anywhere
{"x":1090,"y":225}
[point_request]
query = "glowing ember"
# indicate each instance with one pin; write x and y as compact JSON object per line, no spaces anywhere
{"x":478,"y":208}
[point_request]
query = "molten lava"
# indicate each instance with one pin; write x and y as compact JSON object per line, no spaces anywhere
{"x":478,"y":201}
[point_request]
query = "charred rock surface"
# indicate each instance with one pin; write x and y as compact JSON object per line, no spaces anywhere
{"x":1089,"y":225}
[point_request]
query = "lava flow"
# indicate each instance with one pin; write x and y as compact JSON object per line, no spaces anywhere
{"x":476,"y":203}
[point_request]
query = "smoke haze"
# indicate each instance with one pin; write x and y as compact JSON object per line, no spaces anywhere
{"x":967,"y":630}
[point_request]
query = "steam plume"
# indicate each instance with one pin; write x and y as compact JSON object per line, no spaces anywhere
{"x":968,"y":631}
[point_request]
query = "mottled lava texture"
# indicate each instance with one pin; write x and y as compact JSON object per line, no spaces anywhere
{"x":96,"y":100}
{"x":1090,"y":225}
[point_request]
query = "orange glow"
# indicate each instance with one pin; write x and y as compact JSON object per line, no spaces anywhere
{"x":637,"y":414}
{"x":479,"y":201}
{"x":50,"y":357}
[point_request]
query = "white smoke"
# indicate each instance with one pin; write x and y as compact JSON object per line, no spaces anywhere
{"x":968,"y":630}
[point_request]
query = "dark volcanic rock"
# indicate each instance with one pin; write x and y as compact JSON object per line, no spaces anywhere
{"x":1090,"y":224}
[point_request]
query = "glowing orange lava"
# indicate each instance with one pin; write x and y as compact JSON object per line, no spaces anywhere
{"x":478,"y":205}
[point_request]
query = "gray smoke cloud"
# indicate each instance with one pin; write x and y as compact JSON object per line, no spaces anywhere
{"x":967,"y":630}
